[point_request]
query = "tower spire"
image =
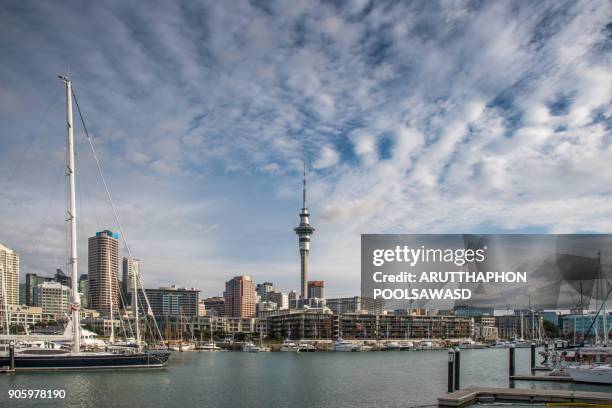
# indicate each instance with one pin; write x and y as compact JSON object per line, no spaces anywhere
{"x":304,"y":189}
{"x":304,"y":231}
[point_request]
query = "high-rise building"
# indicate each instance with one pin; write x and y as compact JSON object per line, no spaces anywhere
{"x":103,"y":271}
{"x":304,"y":231}
{"x":62,"y":279}
{"x":172,"y":301}
{"x":53,"y":298}
{"x":84,"y":290}
{"x":22,"y":293}
{"x":31,"y":281}
{"x":316,"y":289}
{"x":9,"y":275}
{"x":201,"y":308}
{"x":215,"y":306}
{"x":240,"y":297}
{"x":263,"y":289}
{"x":281,"y":299}
{"x":131,"y":268}
{"x":293,"y":298}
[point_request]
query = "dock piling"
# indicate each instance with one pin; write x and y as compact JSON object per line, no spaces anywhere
{"x":451,"y":370}
{"x":511,"y":364}
{"x":12,"y":356}
{"x":457,"y":368}
{"x":533,"y":357}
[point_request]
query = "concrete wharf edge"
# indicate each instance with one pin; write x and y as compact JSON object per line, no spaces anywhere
{"x":469,"y":396}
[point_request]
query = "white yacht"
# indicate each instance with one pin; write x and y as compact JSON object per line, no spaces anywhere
{"x":363,"y":347}
{"x":250,"y":347}
{"x":304,"y":347}
{"x":288,"y":345}
{"x":500,"y":344}
{"x":470,"y":344}
{"x":343,"y":345}
{"x":406,"y":345}
{"x":591,"y":373}
{"x":392,"y":346}
{"x":208,"y":346}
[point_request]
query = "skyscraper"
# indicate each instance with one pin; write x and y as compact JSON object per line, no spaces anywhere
{"x":304,"y":231}
{"x":84,"y":290}
{"x":103,"y":271}
{"x":240,"y":297}
{"x":31,"y":281}
{"x":61,"y":278}
{"x":9,"y":276}
{"x":263,"y":289}
{"x":131,"y":267}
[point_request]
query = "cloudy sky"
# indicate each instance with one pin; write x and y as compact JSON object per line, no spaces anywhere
{"x":414,"y":117}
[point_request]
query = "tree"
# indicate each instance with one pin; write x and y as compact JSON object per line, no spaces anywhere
{"x":550,"y":329}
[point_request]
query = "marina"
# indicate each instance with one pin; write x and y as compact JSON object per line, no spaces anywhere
{"x":236,"y":379}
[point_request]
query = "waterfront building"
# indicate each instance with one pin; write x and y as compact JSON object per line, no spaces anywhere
{"x":215,"y":306}
{"x":293,"y":298}
{"x":172,"y":301}
{"x":299,"y":324}
{"x":204,"y":324}
{"x":263,"y":289}
{"x":9,"y":275}
{"x":356,"y":326}
{"x":281,"y":299}
{"x":304,"y":231}
{"x":579,"y":325}
{"x":355,"y":304}
{"x":551,"y":316}
{"x":392,"y":326}
{"x":103,"y":271}
{"x":235,"y":325}
{"x":84,"y":290}
{"x":240,"y":297}
{"x":484,"y":328}
{"x":53,"y":298}
{"x":62,"y":279}
{"x":22,"y":315}
{"x":529,"y":323}
{"x":316,"y":289}
{"x":472,"y":311}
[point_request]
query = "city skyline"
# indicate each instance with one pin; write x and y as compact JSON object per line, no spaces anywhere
{"x":415,"y":118}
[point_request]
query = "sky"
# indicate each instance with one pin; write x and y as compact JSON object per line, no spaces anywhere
{"x":413,"y":117}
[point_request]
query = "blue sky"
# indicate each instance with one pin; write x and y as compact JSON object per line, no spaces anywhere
{"x":413,"y":116}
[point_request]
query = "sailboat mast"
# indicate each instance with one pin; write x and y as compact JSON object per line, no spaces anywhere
{"x":110,"y":298}
{"x":76,"y":300}
{"x":136,"y":268}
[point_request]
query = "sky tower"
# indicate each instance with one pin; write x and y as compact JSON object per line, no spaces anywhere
{"x":304,"y":230}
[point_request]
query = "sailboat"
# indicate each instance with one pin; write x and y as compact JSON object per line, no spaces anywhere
{"x":75,"y":358}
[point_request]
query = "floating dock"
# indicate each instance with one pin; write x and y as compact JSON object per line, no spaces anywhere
{"x":471,"y":396}
{"x":554,"y":378}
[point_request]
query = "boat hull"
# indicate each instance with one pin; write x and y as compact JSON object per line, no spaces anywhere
{"x":591,"y":376}
{"x":80,"y":361}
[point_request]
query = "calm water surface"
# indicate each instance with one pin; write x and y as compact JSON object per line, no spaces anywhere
{"x":233,"y":379}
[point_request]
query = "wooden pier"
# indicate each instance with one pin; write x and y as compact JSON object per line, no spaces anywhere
{"x":471,"y":396}
{"x":6,"y":369}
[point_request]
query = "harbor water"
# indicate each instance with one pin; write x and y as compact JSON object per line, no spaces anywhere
{"x":234,"y":379}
